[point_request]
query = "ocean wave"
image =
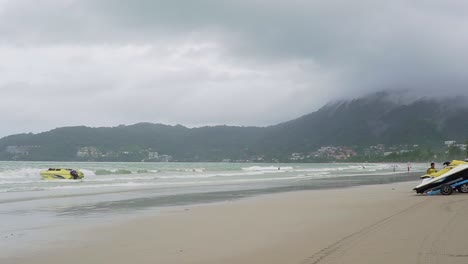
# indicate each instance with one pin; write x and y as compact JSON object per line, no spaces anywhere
{"x":110,"y":179}
{"x":149,"y":184}
{"x":16,"y":177}
{"x":22,"y":173}
{"x":87,"y":172}
{"x":269,"y":168}
{"x":191,"y":169}
{"x":108,"y":172}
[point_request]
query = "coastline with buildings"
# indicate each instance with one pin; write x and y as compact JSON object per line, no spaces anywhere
{"x":375,"y":153}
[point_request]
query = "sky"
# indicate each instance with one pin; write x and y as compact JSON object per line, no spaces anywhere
{"x":213,"y":62}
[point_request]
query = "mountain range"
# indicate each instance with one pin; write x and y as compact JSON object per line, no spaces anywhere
{"x":380,"y":118}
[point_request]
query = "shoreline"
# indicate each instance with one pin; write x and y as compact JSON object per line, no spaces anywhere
{"x":38,"y":221}
{"x":384,"y":223}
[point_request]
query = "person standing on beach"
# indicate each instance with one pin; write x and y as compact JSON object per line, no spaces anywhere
{"x":432,"y":169}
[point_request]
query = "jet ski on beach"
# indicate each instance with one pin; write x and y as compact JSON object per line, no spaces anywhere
{"x":61,"y":173}
{"x":453,"y":176}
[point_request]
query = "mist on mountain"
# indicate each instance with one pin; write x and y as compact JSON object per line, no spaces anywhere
{"x":389,"y":118}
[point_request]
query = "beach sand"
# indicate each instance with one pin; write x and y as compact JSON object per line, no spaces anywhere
{"x":365,"y":224}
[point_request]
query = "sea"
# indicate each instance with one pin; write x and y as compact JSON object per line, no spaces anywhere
{"x":37,"y":213}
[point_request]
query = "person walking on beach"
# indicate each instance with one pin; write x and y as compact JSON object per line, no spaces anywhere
{"x":432,"y":169}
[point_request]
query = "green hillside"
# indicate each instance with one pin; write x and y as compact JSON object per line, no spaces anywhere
{"x":358,"y":123}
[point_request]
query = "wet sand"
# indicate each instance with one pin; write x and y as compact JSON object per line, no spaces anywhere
{"x":365,"y":224}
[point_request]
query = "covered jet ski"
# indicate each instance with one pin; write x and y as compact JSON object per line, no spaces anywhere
{"x":444,"y":181}
{"x":61,"y":173}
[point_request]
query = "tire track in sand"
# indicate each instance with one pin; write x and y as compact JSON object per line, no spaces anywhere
{"x":433,"y":249}
{"x":341,"y":245}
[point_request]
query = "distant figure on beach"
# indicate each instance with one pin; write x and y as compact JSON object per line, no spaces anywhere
{"x":408,"y":165}
{"x":278,"y":168}
{"x":432,"y":169}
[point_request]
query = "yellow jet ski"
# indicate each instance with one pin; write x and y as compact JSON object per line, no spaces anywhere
{"x":61,"y":173}
{"x":447,"y":167}
{"x":453,"y":176}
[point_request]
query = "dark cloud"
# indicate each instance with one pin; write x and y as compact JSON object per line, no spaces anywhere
{"x":216,"y":62}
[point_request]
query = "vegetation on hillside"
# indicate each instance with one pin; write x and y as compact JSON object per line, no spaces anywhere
{"x":354,"y":125}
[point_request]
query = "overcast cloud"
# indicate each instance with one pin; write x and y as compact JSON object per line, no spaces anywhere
{"x":209,"y":62}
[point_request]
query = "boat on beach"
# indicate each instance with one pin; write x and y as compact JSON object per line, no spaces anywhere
{"x":454,"y":176}
{"x":61,"y":174}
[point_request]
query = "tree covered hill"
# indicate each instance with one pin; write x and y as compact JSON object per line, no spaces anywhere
{"x":204,"y":143}
{"x":375,"y":119}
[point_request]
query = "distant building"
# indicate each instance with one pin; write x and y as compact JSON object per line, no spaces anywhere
{"x":460,"y":146}
{"x":340,"y":156}
{"x":153,"y":155}
{"x":88,"y":152}
{"x":18,"y":150}
{"x":349,"y":152}
{"x":296,"y":156}
{"x":337,"y":153}
{"x":376,"y":150}
{"x":449,"y":142}
{"x":165,"y":158}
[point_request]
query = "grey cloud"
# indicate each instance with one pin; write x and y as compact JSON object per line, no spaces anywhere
{"x":375,"y":44}
{"x":214,"y":62}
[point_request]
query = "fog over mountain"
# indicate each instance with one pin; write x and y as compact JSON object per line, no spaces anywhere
{"x":379,"y":118}
{"x":383,"y":117}
{"x":215,"y":62}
